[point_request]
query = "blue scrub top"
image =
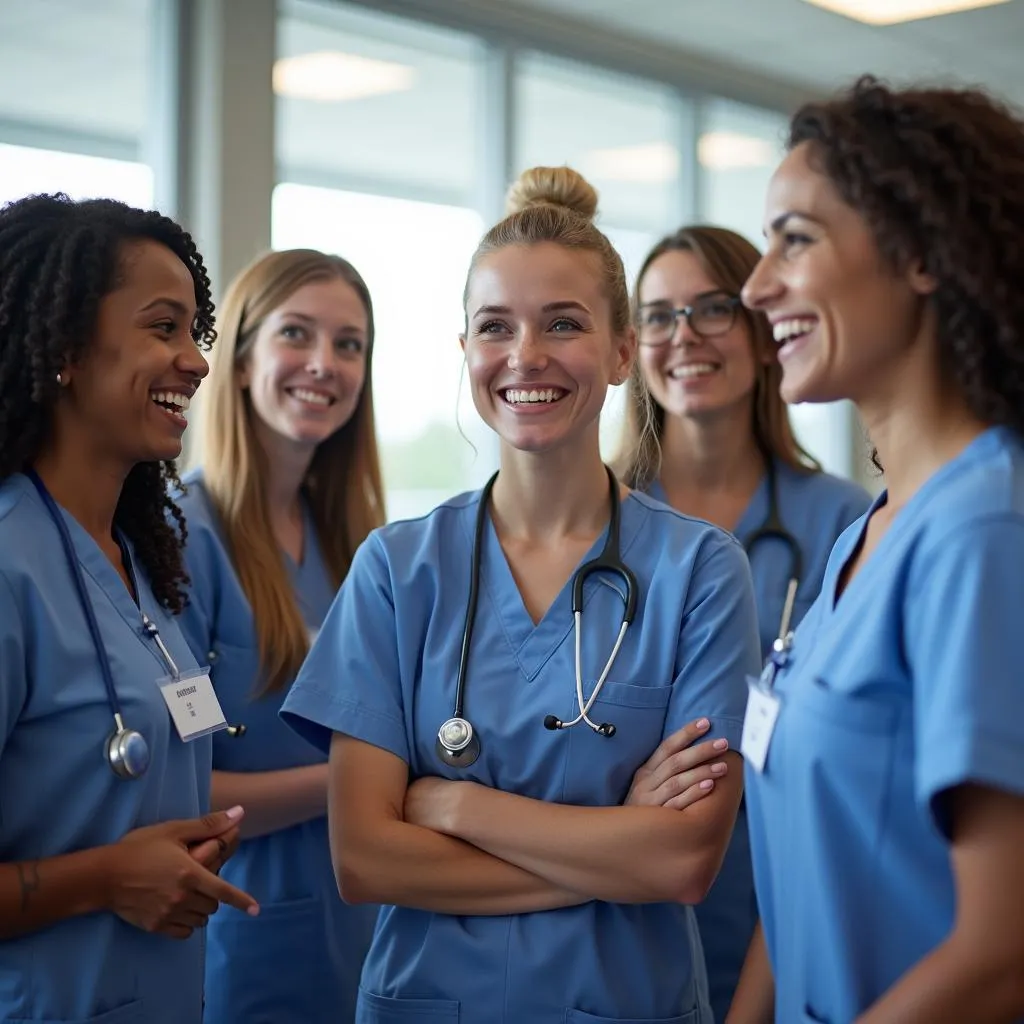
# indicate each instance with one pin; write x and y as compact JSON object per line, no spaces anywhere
{"x":905,"y":687}
{"x":384,"y":670}
{"x":815,"y":508}
{"x":300,"y":959}
{"x":57,"y":791}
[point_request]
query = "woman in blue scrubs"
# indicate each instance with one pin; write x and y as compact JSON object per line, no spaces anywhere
{"x":287,"y":488}
{"x":107,"y":870}
{"x":887,"y":821}
{"x":722,"y":448}
{"x":518,"y":887}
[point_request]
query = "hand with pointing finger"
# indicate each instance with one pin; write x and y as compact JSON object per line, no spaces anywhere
{"x":678,"y":773}
{"x":156,"y":884}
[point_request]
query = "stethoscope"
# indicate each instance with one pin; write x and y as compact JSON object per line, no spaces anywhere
{"x":458,"y":744}
{"x":773,"y":529}
{"x":125,"y":750}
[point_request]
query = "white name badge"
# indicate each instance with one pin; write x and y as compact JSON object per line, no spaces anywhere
{"x":758,"y":723}
{"x":193,"y":705}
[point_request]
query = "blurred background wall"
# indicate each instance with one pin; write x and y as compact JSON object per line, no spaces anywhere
{"x":388,"y":131}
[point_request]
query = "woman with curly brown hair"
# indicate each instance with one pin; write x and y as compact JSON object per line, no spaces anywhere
{"x":104,"y":770}
{"x":885,"y":744}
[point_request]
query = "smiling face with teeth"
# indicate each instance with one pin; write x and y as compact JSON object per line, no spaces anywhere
{"x":691,"y":375}
{"x":843,"y":316}
{"x":130,"y":393}
{"x":540,"y":349}
{"x":305,"y":368}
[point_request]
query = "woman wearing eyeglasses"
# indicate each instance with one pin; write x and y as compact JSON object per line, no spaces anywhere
{"x":723,"y":449}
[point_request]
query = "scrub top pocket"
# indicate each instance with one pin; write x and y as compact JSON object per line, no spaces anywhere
{"x":579,"y":1017}
{"x":284,"y":941}
{"x":849,"y":744}
{"x":130,"y":1013}
{"x":374,"y":1009}
{"x":811,"y":1016}
{"x":858,"y":712}
{"x":605,"y":764}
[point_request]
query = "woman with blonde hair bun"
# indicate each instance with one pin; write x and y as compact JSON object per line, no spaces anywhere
{"x":288,"y":485}
{"x":532,"y":696}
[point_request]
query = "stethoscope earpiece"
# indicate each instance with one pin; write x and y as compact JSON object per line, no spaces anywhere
{"x":553,"y":724}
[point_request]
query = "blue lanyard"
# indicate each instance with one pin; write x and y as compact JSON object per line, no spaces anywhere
{"x":83,"y":594}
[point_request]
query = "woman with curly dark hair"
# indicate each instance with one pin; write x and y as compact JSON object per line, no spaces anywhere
{"x":885,"y":744}
{"x":104,"y":716}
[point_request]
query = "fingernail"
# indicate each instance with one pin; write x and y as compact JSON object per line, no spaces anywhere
{"x":254,"y":910}
{"x":707,"y":784}
{"x":718,"y":768}
{"x":234,"y":813}
{"x":702,"y":723}
{"x":720,"y":744}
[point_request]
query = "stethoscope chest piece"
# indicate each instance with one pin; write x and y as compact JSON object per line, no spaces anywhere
{"x":457,"y":744}
{"x":127,"y":753}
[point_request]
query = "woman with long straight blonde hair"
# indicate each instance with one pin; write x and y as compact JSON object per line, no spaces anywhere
{"x":287,"y":486}
{"x":722,"y":449}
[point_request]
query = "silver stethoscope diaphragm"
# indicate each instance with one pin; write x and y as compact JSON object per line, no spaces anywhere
{"x":457,"y":743}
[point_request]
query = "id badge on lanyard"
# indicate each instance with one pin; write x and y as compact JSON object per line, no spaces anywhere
{"x":190,"y":697}
{"x":763,"y":706}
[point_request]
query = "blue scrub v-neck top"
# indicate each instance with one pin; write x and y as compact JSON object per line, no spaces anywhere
{"x":384,"y":671}
{"x":815,"y":508}
{"x":907,"y":685}
{"x":300,"y":960}
{"x":57,"y":791}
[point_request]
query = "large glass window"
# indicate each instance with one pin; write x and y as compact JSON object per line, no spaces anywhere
{"x":738,"y":150}
{"x":73,"y":94}
{"x":376,"y":149}
{"x":621,"y":134}
{"x":27,"y":171}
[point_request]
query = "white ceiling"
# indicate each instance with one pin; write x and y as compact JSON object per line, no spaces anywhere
{"x":797,"y":42}
{"x":83,"y":67}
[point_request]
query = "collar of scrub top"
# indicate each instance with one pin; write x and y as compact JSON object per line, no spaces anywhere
{"x":774,"y":529}
{"x":458,"y":745}
{"x":126,"y":750}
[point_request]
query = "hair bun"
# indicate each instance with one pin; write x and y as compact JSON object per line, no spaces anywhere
{"x":553,"y":186}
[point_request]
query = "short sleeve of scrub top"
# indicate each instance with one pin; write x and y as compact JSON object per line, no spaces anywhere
{"x":968,"y":690}
{"x":358,"y":641}
{"x":715,"y":655}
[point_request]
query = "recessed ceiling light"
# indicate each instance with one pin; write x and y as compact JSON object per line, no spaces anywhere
{"x":725,"y":151}
{"x":651,"y":163}
{"x":331,"y":77}
{"x":889,"y":12}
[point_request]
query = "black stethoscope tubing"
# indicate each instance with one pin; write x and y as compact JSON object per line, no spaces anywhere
{"x":458,"y":744}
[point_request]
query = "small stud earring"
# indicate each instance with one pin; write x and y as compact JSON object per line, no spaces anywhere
{"x":60,"y":379}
